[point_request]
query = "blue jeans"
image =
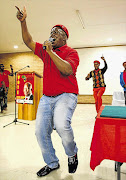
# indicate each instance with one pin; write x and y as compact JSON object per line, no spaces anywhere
{"x":56,"y":112}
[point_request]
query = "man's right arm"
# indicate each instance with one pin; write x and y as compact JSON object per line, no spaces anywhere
{"x":27,"y":37}
{"x":88,"y":76}
{"x":21,"y":15}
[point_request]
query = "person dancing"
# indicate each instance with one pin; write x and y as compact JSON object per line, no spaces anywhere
{"x":98,"y":82}
{"x":60,"y":89}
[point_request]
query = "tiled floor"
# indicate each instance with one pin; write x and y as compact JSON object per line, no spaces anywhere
{"x":20,"y":156}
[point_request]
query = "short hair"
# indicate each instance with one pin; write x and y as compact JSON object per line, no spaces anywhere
{"x":124,"y":63}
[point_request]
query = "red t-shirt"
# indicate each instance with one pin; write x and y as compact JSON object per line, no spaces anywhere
{"x":5,"y":77}
{"x":124,"y":76}
{"x":1,"y":79}
{"x":54,"y":82}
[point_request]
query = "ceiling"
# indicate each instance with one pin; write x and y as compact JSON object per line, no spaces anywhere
{"x":104,"y":22}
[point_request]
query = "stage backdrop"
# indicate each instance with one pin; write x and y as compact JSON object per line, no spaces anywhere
{"x":25,"y":88}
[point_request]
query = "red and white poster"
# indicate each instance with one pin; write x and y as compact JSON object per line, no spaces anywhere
{"x":25,"y":88}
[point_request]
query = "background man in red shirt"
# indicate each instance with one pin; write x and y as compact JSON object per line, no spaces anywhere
{"x":5,"y":74}
{"x":60,"y":91}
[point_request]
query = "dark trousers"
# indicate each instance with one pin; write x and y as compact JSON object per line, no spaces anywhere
{"x":125,"y":96}
{"x":5,"y":97}
{"x":1,"y":98}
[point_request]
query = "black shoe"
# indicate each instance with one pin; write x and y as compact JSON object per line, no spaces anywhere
{"x":46,"y":170}
{"x":72,"y":164}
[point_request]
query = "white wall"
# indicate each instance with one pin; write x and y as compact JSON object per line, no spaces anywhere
{"x":114,"y":56}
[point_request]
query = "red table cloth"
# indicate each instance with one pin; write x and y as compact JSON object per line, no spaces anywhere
{"x":108,"y":141}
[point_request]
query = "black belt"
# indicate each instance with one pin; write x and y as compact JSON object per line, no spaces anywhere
{"x":58,"y":95}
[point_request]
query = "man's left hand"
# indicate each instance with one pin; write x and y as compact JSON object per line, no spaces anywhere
{"x":103,"y":58}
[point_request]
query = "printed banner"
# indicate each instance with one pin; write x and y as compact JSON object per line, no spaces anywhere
{"x":25,"y":88}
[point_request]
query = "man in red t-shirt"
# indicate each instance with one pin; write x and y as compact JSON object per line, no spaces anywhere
{"x":2,"y":88}
{"x":60,"y":91}
{"x":5,"y":74}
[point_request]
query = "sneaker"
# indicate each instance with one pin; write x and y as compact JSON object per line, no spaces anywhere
{"x":72,"y":164}
{"x":46,"y":170}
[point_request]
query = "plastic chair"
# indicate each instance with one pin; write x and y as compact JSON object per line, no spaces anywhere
{"x":118,"y":99}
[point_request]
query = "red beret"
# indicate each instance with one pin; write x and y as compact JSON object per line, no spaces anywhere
{"x":63,"y":28}
{"x":124,"y":63}
{"x":97,"y":62}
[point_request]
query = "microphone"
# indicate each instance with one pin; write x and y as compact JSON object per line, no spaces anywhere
{"x":51,"y":40}
{"x":28,"y":66}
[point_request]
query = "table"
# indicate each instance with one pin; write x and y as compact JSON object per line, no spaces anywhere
{"x":108,"y":141}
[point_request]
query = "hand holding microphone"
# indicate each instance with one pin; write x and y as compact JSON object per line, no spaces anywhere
{"x":47,"y":43}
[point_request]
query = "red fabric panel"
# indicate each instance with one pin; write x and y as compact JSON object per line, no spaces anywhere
{"x":109,"y":140}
